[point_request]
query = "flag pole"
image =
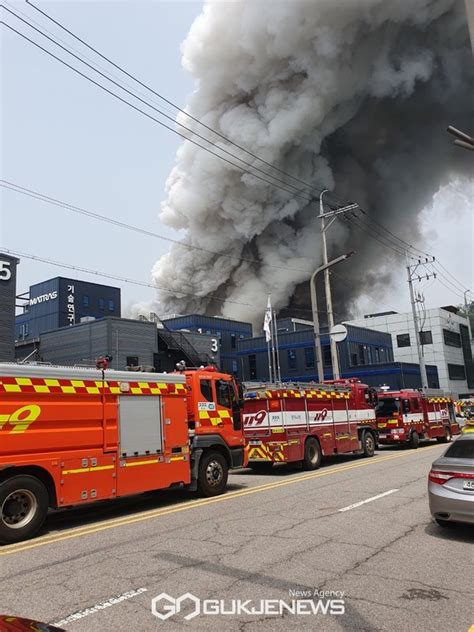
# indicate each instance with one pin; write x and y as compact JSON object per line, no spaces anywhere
{"x":274,"y":356}
{"x":267,"y":322}
{"x":270,"y":378}
{"x":275,"y":329}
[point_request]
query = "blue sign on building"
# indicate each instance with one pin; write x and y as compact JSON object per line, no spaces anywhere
{"x":60,"y":302}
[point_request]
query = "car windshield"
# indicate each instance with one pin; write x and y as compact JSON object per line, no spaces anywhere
{"x":461,"y":449}
{"x":387,"y":406}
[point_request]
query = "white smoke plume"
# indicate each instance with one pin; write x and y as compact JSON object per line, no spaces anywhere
{"x":349,"y":95}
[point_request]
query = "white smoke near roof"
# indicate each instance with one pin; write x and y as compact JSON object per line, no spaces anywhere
{"x":350,"y":95}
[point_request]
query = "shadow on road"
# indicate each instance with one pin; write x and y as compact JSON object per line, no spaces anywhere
{"x":454,"y":532}
{"x":288,"y":469}
{"x":63,"y":519}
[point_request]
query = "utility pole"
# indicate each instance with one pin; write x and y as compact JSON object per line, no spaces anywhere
{"x":327,"y":284}
{"x":314,"y":306}
{"x":411,"y":272}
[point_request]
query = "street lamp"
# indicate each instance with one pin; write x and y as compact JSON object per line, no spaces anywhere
{"x":462,"y":139}
{"x":314,"y":307}
{"x":331,"y":215}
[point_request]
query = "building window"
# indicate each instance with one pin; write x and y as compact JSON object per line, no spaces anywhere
{"x":232,"y":341}
{"x":111,"y":305}
{"x":23,"y":331}
{"x":327,"y":360}
{"x":456,"y":372}
{"x":101,"y":303}
{"x":85,"y":301}
{"x":362,"y":354}
{"x":354,"y":360}
{"x":291,"y":359}
{"x":426,"y":338}
{"x":451,"y":338}
{"x":309,"y":357}
{"x":403,"y":340}
{"x":253,"y":366}
{"x":132,"y":360}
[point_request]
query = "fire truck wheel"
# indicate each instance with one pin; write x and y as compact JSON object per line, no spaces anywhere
{"x":213,"y":472}
{"x":447,"y":436}
{"x":24,"y":505}
{"x":312,"y":454}
{"x":414,"y":440}
{"x":368,"y":444}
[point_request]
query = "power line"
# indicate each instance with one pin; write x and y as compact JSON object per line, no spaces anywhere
{"x":182,"y":135}
{"x":118,"y":278}
{"x":388,"y":242}
{"x":169,"y":102}
{"x":437,"y":264}
{"x":295,"y":190}
{"x":105,"y":275}
{"x":298,"y":192}
{"x":366,"y":228}
{"x":81,"y":211}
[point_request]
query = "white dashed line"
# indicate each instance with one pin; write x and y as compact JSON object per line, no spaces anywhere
{"x":368,"y":500}
{"x":113,"y":601}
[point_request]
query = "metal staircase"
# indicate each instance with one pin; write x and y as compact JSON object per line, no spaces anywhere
{"x":177,"y":341}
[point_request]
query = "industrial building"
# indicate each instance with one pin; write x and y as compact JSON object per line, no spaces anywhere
{"x":61,"y":302}
{"x":445,"y":342}
{"x":226,"y":332}
{"x":8,"y":266}
{"x":130,"y":343}
{"x":365,"y":354}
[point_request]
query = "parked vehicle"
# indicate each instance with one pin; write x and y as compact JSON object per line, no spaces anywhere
{"x":451,"y":483}
{"x":409,"y":416}
{"x":74,"y":436}
{"x":298,"y":422}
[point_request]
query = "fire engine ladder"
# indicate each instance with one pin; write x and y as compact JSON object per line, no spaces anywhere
{"x":260,"y":388}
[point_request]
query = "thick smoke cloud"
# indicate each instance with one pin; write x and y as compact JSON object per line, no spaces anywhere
{"x":351,"y":95}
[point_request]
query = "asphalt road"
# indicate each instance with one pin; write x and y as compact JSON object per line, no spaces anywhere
{"x":98,"y":568}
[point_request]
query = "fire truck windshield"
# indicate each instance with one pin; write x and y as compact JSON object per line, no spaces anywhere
{"x":387,"y":406}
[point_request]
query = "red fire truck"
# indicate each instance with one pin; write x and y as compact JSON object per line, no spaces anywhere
{"x":304,"y":422}
{"x":410,"y":416}
{"x":73,"y":436}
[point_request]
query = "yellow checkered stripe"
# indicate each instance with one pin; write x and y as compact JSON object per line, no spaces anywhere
{"x":216,"y":417}
{"x":439,"y":400}
{"x":47,"y":386}
{"x":263,"y":453}
{"x":304,"y":394}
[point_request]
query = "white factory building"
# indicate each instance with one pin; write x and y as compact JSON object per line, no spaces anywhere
{"x":446,"y":342}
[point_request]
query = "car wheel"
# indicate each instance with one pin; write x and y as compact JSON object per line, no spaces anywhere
{"x":24,"y":504}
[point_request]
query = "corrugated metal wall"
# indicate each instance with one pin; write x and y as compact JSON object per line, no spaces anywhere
{"x":85,"y":342}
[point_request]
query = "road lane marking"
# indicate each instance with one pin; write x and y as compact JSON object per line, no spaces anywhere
{"x":368,"y":500}
{"x":112,"y":601}
{"x":194,"y":504}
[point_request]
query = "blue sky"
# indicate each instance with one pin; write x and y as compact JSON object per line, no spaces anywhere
{"x":67,"y":139}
